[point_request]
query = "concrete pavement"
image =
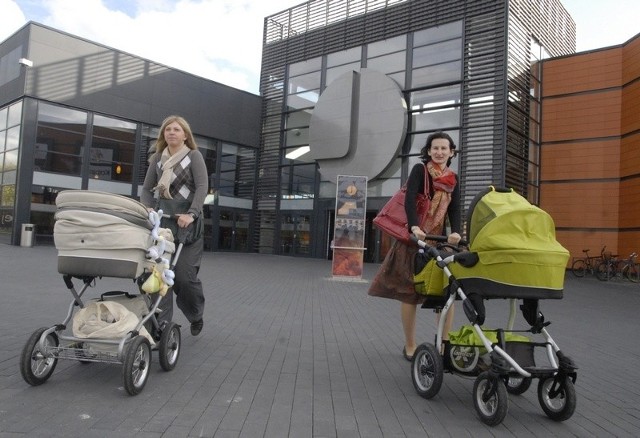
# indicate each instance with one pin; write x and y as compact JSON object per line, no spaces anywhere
{"x":286,"y":351}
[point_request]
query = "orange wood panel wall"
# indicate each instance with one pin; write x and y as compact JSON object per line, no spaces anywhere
{"x":590,"y":154}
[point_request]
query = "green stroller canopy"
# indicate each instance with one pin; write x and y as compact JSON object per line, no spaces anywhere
{"x":519,"y":256}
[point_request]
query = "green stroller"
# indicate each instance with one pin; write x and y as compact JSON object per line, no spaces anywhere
{"x":512,"y":254}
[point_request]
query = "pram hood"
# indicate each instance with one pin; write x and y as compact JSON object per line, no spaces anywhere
{"x":516,"y":244}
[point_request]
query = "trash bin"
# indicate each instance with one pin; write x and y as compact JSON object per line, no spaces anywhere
{"x":28,"y":234}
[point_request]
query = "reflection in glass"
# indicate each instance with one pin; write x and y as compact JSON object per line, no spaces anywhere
{"x":436,"y":74}
{"x":60,"y":139}
{"x":438,"y":33}
{"x":344,"y":57}
{"x":13,"y":138}
{"x":302,"y":100}
{"x":303,"y":83}
{"x":437,"y":53}
{"x":334,"y":73}
{"x":387,"y":46}
{"x":436,"y":119}
{"x":112,"y":149}
{"x":388,"y":63}
{"x":298,"y":181}
{"x":237,"y":171}
{"x":305,"y":66}
{"x":295,"y":235}
{"x":15,"y":114}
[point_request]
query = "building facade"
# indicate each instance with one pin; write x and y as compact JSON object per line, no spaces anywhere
{"x":590,"y":167}
{"x":78,"y":115}
{"x":471,"y":69}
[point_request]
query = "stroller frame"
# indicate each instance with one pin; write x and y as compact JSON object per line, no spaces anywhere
{"x":48,"y":344}
{"x":556,"y":392}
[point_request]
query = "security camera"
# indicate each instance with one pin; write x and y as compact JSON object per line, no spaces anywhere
{"x":25,"y":61}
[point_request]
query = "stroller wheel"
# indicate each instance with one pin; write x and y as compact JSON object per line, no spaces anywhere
{"x":557,"y":396}
{"x":36,"y":365}
{"x":490,"y":398}
{"x":517,"y":385}
{"x":427,"y":370}
{"x":169,"y":349}
{"x":135,"y":370}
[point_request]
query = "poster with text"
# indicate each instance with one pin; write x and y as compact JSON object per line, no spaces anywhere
{"x":348,"y":233}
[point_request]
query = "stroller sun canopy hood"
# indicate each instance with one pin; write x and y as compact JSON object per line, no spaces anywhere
{"x":518,"y":253}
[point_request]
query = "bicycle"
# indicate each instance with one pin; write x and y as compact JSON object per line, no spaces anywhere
{"x":589,"y":264}
{"x":630,"y":269}
{"x":608,"y":267}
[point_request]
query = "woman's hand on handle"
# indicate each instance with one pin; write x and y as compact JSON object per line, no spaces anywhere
{"x":416,"y":231}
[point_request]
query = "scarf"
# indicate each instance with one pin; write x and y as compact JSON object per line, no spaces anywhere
{"x":167,"y":163}
{"x":444,"y":181}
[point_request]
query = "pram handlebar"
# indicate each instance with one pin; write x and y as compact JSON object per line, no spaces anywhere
{"x":464,"y":258}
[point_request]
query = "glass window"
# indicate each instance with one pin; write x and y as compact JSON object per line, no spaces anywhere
{"x":3,"y":136}
{"x":15,"y":114}
{"x":11,"y":160}
{"x":437,"y":53}
{"x":436,"y":74}
{"x":8,"y":195}
{"x":13,"y":138}
{"x":387,"y":46}
{"x":297,"y":137}
{"x":298,"y":119}
{"x":435,"y":97}
{"x":392,"y":63}
{"x":3,"y":118}
{"x":303,"y":100}
{"x":334,"y":73}
{"x":60,"y":139}
{"x":305,"y":66}
{"x":438,"y":33}
{"x":344,"y":57}
{"x":303,"y":83}
{"x":112,"y":149}
{"x":436,"y":119}
{"x":298,"y":181}
{"x":237,"y":171}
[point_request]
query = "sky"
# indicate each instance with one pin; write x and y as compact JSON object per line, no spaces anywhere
{"x":221,"y":40}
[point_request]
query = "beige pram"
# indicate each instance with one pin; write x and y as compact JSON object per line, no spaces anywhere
{"x":99,"y":235}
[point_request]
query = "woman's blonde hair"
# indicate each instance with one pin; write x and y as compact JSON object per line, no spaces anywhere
{"x":161,"y":143}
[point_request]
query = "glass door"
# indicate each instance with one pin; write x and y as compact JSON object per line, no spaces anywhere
{"x":295,"y":234}
{"x":233,"y":232}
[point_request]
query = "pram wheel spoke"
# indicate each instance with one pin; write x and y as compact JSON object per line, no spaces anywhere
{"x":517,"y":385}
{"x":135,"y":370}
{"x":490,"y":398}
{"x":427,"y":371}
{"x":36,"y":365}
{"x":169,"y":349}
{"x":557,"y":397}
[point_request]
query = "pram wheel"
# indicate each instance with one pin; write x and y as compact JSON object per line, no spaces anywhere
{"x":427,"y":370}
{"x":517,"y":385}
{"x":135,"y":370}
{"x":490,"y":398}
{"x":169,"y":348}
{"x":557,"y":396}
{"x":35,"y":365}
